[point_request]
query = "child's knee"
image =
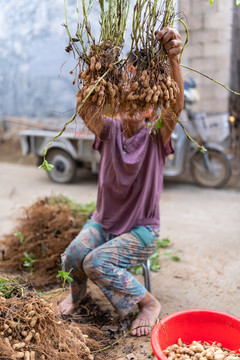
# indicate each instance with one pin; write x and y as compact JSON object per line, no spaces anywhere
{"x":72,"y":257}
{"x":93,"y":266}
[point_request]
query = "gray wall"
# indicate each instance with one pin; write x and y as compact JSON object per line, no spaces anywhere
{"x":209,"y":49}
{"x":32,"y":51}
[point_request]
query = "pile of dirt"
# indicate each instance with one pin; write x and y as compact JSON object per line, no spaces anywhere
{"x":42,"y":234}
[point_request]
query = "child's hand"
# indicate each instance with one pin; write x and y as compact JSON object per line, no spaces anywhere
{"x":171,"y":40}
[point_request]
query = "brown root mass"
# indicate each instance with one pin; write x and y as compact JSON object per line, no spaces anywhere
{"x":117,"y":86}
{"x":31,"y":329}
{"x":47,"y":227}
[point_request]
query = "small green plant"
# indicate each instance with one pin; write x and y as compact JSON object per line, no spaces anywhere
{"x":20,"y":237}
{"x":154,"y":261}
{"x":46,"y":166}
{"x":28,"y":261}
{"x":64,"y":276}
{"x":163,"y":243}
{"x":175,"y":256}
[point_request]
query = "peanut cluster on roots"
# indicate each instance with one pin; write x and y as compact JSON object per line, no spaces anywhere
{"x":199,"y":351}
{"x":31,"y":329}
{"x":148,"y":89}
{"x":101,"y":60}
{"x":122,"y":90}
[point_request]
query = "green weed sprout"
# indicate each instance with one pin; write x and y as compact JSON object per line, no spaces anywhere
{"x":64,"y":275}
{"x":20,"y":236}
{"x":28,"y":261}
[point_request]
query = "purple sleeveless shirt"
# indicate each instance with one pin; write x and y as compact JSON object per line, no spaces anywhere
{"x":130,"y":179}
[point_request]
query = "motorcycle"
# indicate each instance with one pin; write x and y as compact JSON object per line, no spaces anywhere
{"x":210,"y":169}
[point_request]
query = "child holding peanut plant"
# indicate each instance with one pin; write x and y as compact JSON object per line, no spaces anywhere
{"x":123,"y":230}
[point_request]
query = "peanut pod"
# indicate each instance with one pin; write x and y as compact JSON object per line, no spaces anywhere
{"x":18,"y":345}
{"x":92,"y":63}
{"x":98,"y":66}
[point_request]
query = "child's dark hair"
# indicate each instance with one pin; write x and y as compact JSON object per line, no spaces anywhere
{"x":136,"y":57}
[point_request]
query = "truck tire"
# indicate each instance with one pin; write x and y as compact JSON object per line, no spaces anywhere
{"x":220,"y":169}
{"x":65,"y":167}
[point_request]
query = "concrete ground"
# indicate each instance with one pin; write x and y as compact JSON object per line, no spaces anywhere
{"x":202,"y":225}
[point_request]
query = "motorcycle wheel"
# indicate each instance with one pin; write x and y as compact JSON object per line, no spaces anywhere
{"x":219,"y":172}
{"x":65,"y":167}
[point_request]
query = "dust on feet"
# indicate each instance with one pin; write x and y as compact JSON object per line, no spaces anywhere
{"x":149,"y":311}
{"x":66,"y":306}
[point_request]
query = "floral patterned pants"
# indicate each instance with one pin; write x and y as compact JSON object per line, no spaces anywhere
{"x":105,"y":260}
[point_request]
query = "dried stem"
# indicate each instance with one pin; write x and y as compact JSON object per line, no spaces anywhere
{"x":210,"y":78}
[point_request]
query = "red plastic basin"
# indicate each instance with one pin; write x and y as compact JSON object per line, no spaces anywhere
{"x":196,"y":324}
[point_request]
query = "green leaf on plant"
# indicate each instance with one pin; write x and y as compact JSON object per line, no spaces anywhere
{"x":60,"y":274}
{"x":46,"y":166}
{"x":64,"y":275}
{"x":154,"y":256}
{"x":168,"y":253}
{"x":29,"y":258}
{"x":203,"y":149}
{"x":176,"y":258}
{"x":20,"y":236}
{"x":155,"y":266}
{"x":211,"y":2}
{"x":159,"y":124}
{"x":28,"y":261}
{"x":163,"y":243}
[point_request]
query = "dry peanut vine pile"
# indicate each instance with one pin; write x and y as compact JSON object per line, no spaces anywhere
{"x":200,"y":351}
{"x":31,"y":329}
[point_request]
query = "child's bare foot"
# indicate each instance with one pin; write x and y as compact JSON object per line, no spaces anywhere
{"x":66,"y":307}
{"x":149,"y":311}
